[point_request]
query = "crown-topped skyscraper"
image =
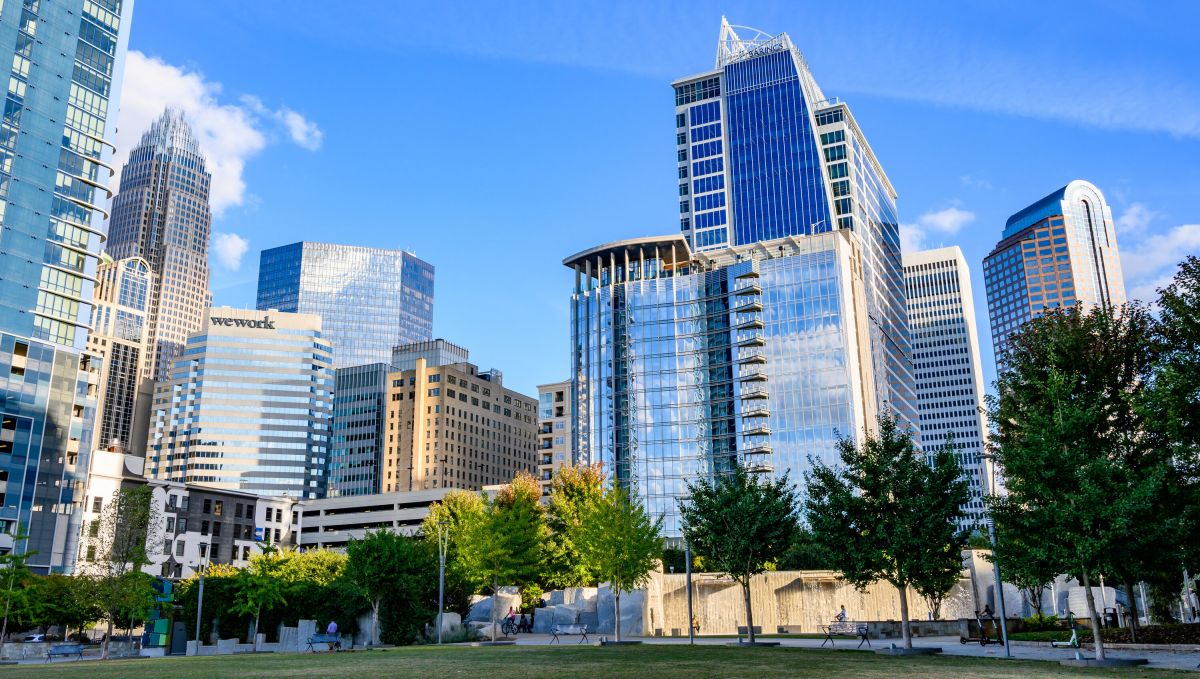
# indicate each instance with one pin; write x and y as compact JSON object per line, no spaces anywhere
{"x":161,"y":213}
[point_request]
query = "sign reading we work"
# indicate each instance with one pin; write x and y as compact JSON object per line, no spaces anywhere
{"x":265,"y":324}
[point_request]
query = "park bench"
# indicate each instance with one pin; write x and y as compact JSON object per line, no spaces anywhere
{"x":65,"y":650}
{"x":845,"y":628}
{"x":565,"y":630}
{"x":331,"y":640}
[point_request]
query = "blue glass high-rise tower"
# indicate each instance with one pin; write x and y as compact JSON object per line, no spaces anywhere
{"x":775,"y":323}
{"x":370,"y":300}
{"x":55,"y":164}
{"x":764,"y":154}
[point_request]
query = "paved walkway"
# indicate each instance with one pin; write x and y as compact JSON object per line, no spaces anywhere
{"x":949,"y":646}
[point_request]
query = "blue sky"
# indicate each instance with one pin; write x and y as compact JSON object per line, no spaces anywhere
{"x":494,"y":139}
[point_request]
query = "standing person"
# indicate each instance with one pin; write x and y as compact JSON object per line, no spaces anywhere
{"x":331,"y":630}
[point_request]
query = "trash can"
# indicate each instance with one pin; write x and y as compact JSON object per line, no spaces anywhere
{"x":1110,"y":618}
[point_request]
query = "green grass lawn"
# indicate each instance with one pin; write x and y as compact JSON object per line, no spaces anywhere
{"x":555,"y":662}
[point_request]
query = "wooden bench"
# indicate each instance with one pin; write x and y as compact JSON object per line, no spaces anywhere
{"x":845,"y":628}
{"x":65,"y":650}
{"x":564,"y":630}
{"x":332,"y":640}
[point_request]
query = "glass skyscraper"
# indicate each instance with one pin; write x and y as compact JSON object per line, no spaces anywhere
{"x":764,"y":154}
{"x":684,"y":364}
{"x":162,"y":215}
{"x":248,"y":407}
{"x":949,"y":384}
{"x":356,"y":450}
{"x":1057,"y":252}
{"x":776,"y":322}
{"x":369,"y":299}
{"x":55,"y":163}
{"x":120,"y":334}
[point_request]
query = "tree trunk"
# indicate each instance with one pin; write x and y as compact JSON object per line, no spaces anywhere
{"x":375,"y":621}
{"x":254,"y":639}
{"x":1133,"y":609}
{"x":749,"y":612}
{"x":617,"y":612}
{"x":1095,"y":617}
{"x":905,"y":631}
{"x":107,"y":638}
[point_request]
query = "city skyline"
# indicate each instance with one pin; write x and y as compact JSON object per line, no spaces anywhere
{"x":957,"y":181}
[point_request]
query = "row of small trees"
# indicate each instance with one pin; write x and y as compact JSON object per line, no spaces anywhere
{"x":1097,"y":433}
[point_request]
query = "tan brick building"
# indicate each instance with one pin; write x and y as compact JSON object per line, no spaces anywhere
{"x":554,"y":431}
{"x":454,"y":426}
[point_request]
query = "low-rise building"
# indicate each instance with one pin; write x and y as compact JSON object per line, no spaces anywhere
{"x":332,"y":522}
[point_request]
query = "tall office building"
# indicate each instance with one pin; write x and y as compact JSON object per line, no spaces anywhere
{"x":775,"y":323}
{"x":369,"y":299}
{"x":455,"y":426}
{"x":120,"y":333}
{"x":764,"y":154}
{"x":1058,"y":252}
{"x":554,"y":431}
{"x":248,"y":407}
{"x":684,"y":364}
{"x":946,"y":364}
{"x":356,"y":449}
{"x":55,"y":163}
{"x":161,"y":214}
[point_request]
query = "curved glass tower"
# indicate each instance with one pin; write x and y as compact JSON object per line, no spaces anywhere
{"x":162,"y":215}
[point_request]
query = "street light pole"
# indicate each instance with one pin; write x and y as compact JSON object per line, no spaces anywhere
{"x":991,"y":524}
{"x":687,"y":557}
{"x":200,"y":594}
{"x":443,"y":539}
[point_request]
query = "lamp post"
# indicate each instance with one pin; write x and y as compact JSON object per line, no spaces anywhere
{"x":200,"y":594}
{"x":687,"y":560}
{"x":443,"y":528}
{"x":990,"y":477}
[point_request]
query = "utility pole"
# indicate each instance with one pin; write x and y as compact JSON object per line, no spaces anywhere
{"x":200,"y":594}
{"x":990,"y":477}
{"x":687,"y":557}
{"x":443,"y":538}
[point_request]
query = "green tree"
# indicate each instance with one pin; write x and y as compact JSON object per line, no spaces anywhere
{"x":458,"y":514}
{"x":1024,"y":557}
{"x":260,"y":585}
{"x":804,"y":554}
{"x":1071,"y":439}
{"x":128,"y":521}
{"x":888,"y":514}
{"x":69,"y":601}
{"x":740,"y":525}
{"x":17,"y":584}
{"x":399,"y":573}
{"x":616,"y":536}
{"x":506,"y":546}
{"x":572,"y":488}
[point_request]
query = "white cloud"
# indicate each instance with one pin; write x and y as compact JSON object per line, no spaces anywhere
{"x":228,"y":249}
{"x":945,"y":222}
{"x":1134,"y":219}
{"x":1149,"y":263}
{"x":229,"y":134}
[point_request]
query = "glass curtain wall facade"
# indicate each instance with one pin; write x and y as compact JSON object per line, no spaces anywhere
{"x":764,"y":154}
{"x":162,"y":215}
{"x":369,"y":299}
{"x":120,"y":336}
{"x":685,"y":365}
{"x":356,"y":452}
{"x":248,"y":407}
{"x":1057,"y":252}
{"x":949,"y":384}
{"x":55,"y":164}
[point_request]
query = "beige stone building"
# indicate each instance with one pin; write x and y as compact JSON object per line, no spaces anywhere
{"x":455,"y":426}
{"x":554,"y":431}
